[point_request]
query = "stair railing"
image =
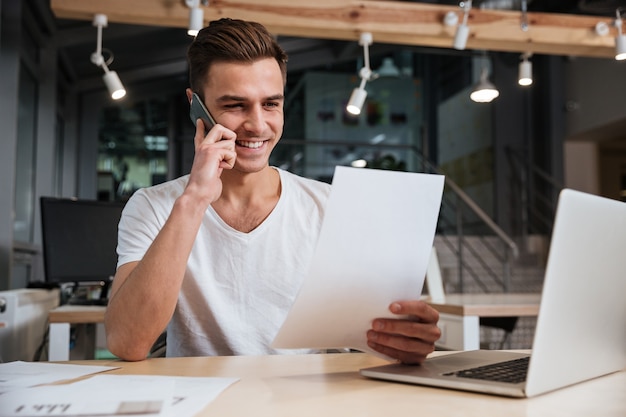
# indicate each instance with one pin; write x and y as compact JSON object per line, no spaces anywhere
{"x":538,"y":191}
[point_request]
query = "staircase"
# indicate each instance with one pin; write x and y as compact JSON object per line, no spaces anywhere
{"x":527,"y":272}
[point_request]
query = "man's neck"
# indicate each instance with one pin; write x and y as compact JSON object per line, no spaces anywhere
{"x":247,"y":199}
{"x":246,"y":187}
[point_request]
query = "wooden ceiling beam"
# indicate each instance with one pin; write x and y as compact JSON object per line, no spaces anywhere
{"x":395,"y":22}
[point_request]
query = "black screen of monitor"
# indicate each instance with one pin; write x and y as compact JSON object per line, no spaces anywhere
{"x":79,"y":239}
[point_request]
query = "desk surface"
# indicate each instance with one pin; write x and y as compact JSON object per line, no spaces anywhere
{"x":330,"y":385}
{"x":77,"y":314}
{"x":489,"y":305}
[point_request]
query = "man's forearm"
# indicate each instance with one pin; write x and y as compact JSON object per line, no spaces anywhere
{"x":144,"y":295}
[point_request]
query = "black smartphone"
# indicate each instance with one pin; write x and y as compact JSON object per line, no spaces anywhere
{"x":197,"y":110}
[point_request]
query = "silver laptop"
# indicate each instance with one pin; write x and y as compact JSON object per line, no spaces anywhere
{"x":581,"y":327}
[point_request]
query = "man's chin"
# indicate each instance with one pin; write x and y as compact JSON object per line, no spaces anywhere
{"x":249,"y":168}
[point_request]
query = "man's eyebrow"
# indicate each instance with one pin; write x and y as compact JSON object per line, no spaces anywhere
{"x":229,"y":97}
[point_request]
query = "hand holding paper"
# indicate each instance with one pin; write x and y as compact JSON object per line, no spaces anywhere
{"x":410,"y":339}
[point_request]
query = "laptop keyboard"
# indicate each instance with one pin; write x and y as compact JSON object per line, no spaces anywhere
{"x":513,"y":371}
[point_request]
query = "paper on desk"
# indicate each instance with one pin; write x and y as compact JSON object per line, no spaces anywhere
{"x":101,"y":395}
{"x":19,"y":374}
{"x":373,"y":249}
{"x":115,"y":395}
{"x":190,"y":395}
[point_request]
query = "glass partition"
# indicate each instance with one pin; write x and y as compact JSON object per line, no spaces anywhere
{"x":132,"y":148}
{"x":25,"y":158}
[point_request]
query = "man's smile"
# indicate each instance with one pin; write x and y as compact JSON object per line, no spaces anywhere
{"x":250,"y":144}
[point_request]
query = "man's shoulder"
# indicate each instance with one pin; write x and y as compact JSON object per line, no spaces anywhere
{"x":171,"y":188}
{"x":163,"y":194}
{"x":305,"y":182}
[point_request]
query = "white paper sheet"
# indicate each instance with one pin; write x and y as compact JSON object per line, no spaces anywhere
{"x":117,"y":395}
{"x":19,"y":374}
{"x":97,"y":396}
{"x":373,"y":249}
{"x":191,"y":394}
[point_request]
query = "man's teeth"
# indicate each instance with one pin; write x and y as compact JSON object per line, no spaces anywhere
{"x":252,"y":145}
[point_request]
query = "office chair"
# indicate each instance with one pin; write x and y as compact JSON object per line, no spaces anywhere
{"x":159,"y":347}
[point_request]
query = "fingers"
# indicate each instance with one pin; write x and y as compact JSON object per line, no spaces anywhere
{"x":415,"y":356}
{"x":216,"y":134}
{"x":410,"y":350}
{"x":419,"y":309}
{"x":200,"y":134}
{"x":229,"y":156}
{"x":219,"y":141}
{"x":426,"y":332}
{"x":419,"y":320}
{"x":214,"y":152}
{"x":410,"y":338}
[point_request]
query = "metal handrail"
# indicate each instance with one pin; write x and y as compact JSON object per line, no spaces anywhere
{"x":484,"y":217}
{"x":544,"y":205}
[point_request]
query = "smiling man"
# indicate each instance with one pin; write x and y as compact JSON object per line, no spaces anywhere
{"x":218,"y":256}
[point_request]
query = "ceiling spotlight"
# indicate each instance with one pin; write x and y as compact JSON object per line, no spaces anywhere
{"x":462,"y":31}
{"x":111,"y":79}
{"x":196,"y":21}
{"x":450,"y":19}
{"x":357,"y":98}
{"x":196,"y":15}
{"x":525,"y":76}
{"x":388,"y":68}
{"x":601,"y":29}
{"x":620,"y":39}
{"x":114,"y":84}
{"x":484,"y":91}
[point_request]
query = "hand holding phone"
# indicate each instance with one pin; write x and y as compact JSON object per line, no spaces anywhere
{"x":197,"y":110}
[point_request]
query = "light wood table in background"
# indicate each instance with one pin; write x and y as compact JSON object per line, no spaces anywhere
{"x":459,"y":315}
{"x":61,"y":318}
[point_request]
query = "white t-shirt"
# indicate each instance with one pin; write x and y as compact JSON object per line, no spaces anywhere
{"x":238,"y":287}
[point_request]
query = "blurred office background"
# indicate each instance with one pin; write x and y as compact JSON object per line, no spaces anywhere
{"x":63,"y":135}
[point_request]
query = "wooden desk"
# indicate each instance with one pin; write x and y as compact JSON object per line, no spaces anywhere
{"x":61,"y":318}
{"x":330,"y":385}
{"x":460,"y":315}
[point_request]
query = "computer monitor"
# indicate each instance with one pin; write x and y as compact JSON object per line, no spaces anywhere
{"x":79,"y":240}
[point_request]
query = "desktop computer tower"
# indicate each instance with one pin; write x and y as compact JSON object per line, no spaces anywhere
{"x":24,"y":321}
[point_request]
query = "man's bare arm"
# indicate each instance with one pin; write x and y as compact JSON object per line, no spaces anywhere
{"x":144,"y":294}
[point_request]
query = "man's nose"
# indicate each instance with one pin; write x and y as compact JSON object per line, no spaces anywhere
{"x":255,"y":120}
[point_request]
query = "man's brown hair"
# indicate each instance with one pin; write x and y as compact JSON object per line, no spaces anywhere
{"x":231,"y":40}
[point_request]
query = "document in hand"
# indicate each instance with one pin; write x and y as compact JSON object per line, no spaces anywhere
{"x":373,"y":249}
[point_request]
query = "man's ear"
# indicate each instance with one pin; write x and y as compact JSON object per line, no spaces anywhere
{"x":189,"y":94}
